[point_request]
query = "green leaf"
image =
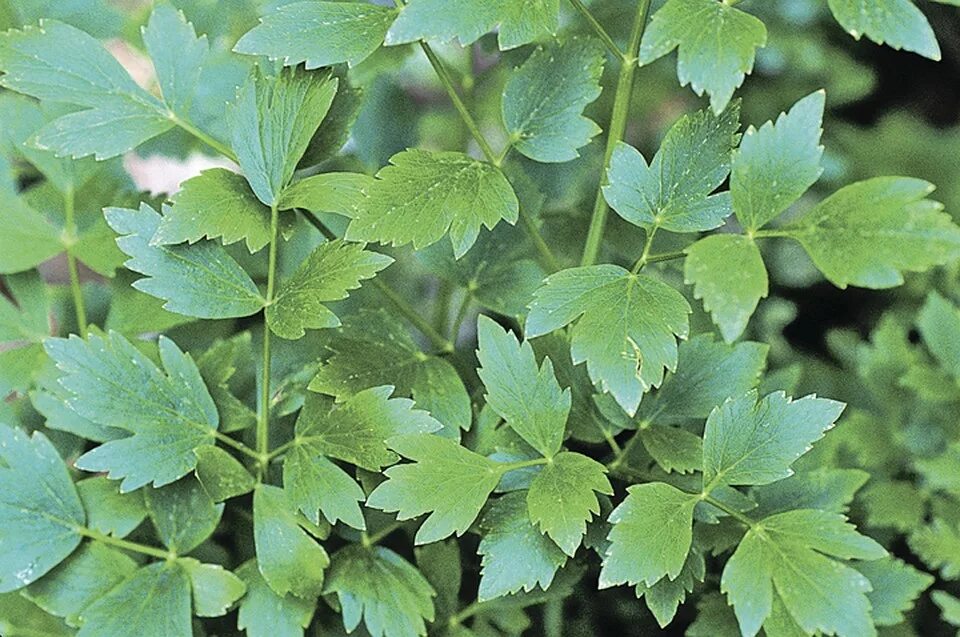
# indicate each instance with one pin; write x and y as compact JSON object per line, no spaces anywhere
{"x":272,"y":122}
{"x":561,"y":498}
{"x":896,"y":585}
{"x":446,"y":480}
{"x":543,"y":100}
{"x":751,"y":442}
{"x":84,"y":577}
{"x":938,"y":545}
{"x":178,"y":56}
{"x":169,"y":415}
{"x":820,"y":593}
{"x":714,"y":618}
{"x":39,"y":509}
{"x":60,"y":63}
{"x":327,"y":192}
{"x":319,"y":33}
{"x":939,"y":325}
{"x":717,"y":45}
{"x":651,"y":535}
{"x":20,"y":617}
{"x":380,"y":587}
{"x":897,"y":504}
{"x":727,"y":272}
{"x":776,"y":164}
{"x":183,"y":513}
{"x":627,"y":327}
{"x":664,"y":597}
{"x":216,"y":204}
{"x":528,"y":398}
{"x":326,"y":275}
{"x":289,"y":560}
{"x":215,"y":589}
{"x":199,"y":280}
{"x":897,"y":23}
{"x":823,"y":489}
{"x":263,"y":613}
{"x":510,"y":539}
{"x":25,"y":314}
{"x":108,"y":510}
{"x":674,"y":449}
{"x":372,"y":349}
{"x":315,"y":484}
{"x":28,"y":238}
{"x":423,"y":195}
{"x":673,"y":192}
{"x":357,"y":429}
{"x":218,"y":366}
{"x":520,"y":21}
{"x":949,"y":607}
{"x":156,"y":600}
{"x":868,"y":233}
{"x":221,"y":475}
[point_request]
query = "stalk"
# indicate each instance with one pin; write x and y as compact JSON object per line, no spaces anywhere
{"x":70,"y":240}
{"x":263,"y":420}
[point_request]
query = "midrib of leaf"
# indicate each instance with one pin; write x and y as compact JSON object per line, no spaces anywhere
{"x":213,"y":275}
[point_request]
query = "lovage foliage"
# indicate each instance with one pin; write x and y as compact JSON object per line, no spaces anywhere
{"x":379,"y":369}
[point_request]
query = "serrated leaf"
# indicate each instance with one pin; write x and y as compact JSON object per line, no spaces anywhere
{"x":896,"y":585}
{"x":289,"y":559}
{"x":869,"y":233}
{"x":627,"y":329}
{"x":422,"y":195}
{"x":728,"y":274}
{"x":199,"y":280}
{"x":326,"y":275}
{"x":949,"y":607}
{"x":717,"y":45}
{"x":939,"y":325}
{"x":218,"y":366}
{"x":215,"y":589}
{"x":897,"y":23}
{"x":28,"y":238}
{"x":108,"y":510}
{"x":562,"y":498}
{"x":319,"y":33}
{"x":776,"y":164}
{"x":40,"y":512}
{"x":263,"y":613}
{"x":820,"y":593}
{"x":515,"y":555}
{"x":651,"y":535}
{"x":528,"y":398}
{"x":315,"y":484}
{"x":178,"y":56}
{"x":674,"y":449}
{"x":543,"y":100}
{"x":823,"y":489}
{"x":169,"y":414}
{"x":183,"y":514}
{"x":380,"y":587}
{"x":664,"y":597}
{"x":446,"y":480}
{"x":327,"y":192}
{"x":221,"y":475}
{"x":938,"y":545}
{"x":156,"y":599}
{"x":673,"y":192}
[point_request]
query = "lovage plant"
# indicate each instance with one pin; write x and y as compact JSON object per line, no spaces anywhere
{"x":430,"y":346}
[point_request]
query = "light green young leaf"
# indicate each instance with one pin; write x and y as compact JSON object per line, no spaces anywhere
{"x":108,"y":510}
{"x":84,"y":577}
{"x":897,"y":23}
{"x":319,"y":33}
{"x":939,"y":325}
{"x":627,"y":329}
{"x":357,"y":429}
{"x":751,"y":442}
{"x":380,"y":587}
{"x":448,"y":481}
{"x":717,"y":45}
{"x":543,"y":100}
{"x":781,"y":557}
{"x":651,"y":535}
{"x":221,"y":474}
{"x":216,"y":204}
{"x":156,"y":599}
{"x":938,"y":545}
{"x":528,"y":398}
{"x":868,"y":233}
{"x":273,"y":120}
{"x":728,"y":274}
{"x":183,"y":513}
{"x":215,"y":589}
{"x":39,"y":509}
{"x":326,"y":275}
{"x":314,"y":484}
{"x":673,"y":192}
{"x":178,"y":56}
{"x":776,"y":164}
{"x":113,"y":384}
{"x":561,"y":499}
{"x":372,"y":349}
{"x":28,"y":238}
{"x":199,"y":280}
{"x":896,"y":585}
{"x":424,"y":194}
{"x":511,"y":539}
{"x":289,"y":559}
{"x":263,"y":613}
{"x":60,"y":63}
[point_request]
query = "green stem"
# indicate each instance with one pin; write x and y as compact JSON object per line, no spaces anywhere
{"x":547,"y":257}
{"x":769,"y":233}
{"x":69,"y":211}
{"x":441,"y":308}
{"x":207,"y":139}
{"x":618,"y":459}
{"x":666,"y":256}
{"x":461,"y":316}
{"x":618,"y":125}
{"x":263,"y":420}
{"x":135,"y":547}
{"x":282,"y":449}
{"x":733,"y":513}
{"x":467,"y":612}
{"x":598,"y":28}
{"x":645,"y":256}
{"x":375,"y":538}
{"x":239,"y":446}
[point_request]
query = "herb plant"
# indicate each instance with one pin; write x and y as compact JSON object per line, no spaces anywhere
{"x":394,"y":368}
